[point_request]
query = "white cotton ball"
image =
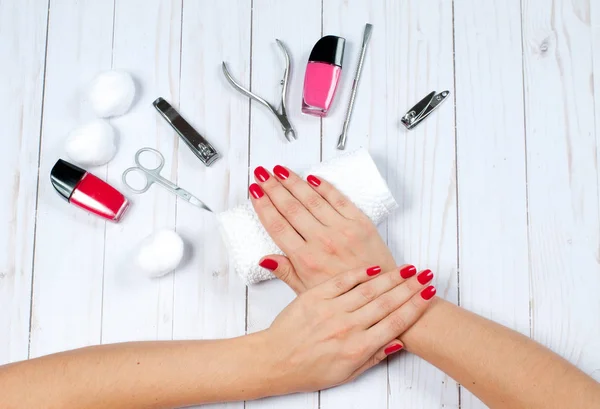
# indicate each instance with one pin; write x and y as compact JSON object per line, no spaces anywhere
{"x":92,"y":144}
{"x":111,"y":93}
{"x":160,"y":253}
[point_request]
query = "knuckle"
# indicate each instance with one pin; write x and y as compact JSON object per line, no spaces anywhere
{"x":308,"y":261}
{"x":398,"y":324}
{"x":277,"y":227}
{"x":385,"y":304}
{"x":341,"y":202}
{"x":291,"y":208}
{"x":328,"y":246}
{"x":367,"y":292}
{"x":314,"y":202}
{"x":341,"y":283}
{"x":356,"y":352}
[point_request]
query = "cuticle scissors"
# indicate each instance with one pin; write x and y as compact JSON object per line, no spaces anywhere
{"x":281,"y":113}
{"x":152,"y":175}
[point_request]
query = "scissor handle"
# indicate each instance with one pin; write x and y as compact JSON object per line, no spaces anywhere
{"x":146,"y":178}
{"x":157,"y":169}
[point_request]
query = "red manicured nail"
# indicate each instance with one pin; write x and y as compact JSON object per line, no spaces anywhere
{"x":425,"y":276}
{"x":371,"y":271}
{"x":256,"y":191}
{"x":428,"y":293}
{"x":313,"y":180}
{"x":261,"y":174}
{"x":269,"y":264}
{"x":281,"y":172}
{"x":408,"y":271}
{"x":393,"y":348}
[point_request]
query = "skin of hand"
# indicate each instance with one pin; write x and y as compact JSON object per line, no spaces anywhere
{"x":327,"y":336}
{"x":320,"y":230}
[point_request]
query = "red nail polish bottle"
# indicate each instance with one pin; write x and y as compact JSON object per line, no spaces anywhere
{"x":85,"y":190}
{"x":322,"y":75}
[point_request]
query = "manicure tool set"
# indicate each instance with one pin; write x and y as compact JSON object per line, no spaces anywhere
{"x":321,"y":80}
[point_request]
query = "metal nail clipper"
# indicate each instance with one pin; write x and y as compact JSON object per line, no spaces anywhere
{"x":280,"y":113}
{"x":423,"y":108}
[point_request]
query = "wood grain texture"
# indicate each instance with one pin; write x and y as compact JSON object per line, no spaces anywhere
{"x":69,"y":252}
{"x":492,"y":202}
{"x":23,"y":47}
{"x":369,"y":129}
{"x":595,"y":84}
{"x":421,"y":174}
{"x":298,"y":25}
{"x":136,"y":307}
{"x":562,"y":175}
{"x":210,"y":298}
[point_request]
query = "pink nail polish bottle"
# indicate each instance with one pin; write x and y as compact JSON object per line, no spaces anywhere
{"x":322,"y":75}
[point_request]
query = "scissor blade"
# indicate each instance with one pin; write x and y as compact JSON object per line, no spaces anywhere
{"x":199,"y":203}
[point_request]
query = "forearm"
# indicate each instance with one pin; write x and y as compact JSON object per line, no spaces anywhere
{"x":141,"y":374}
{"x":500,"y":366}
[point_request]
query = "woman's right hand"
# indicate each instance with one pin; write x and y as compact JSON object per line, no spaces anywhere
{"x":332,"y":333}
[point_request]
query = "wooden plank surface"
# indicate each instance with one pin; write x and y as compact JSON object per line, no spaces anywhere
{"x":492,"y":202}
{"x":502,"y":202}
{"x":564,"y":228}
{"x":69,"y":251}
{"x":23,"y":45}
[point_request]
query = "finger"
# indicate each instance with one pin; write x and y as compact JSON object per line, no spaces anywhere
{"x":387,"y":303}
{"x":402,"y":319}
{"x":371,"y":290}
{"x":282,"y":268}
{"x":384,"y":352}
{"x":310,"y":198}
{"x":336,"y":199}
{"x":344,"y":282}
{"x":282,"y":233}
{"x":288,"y":206}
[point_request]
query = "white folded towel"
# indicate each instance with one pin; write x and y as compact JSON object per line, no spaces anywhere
{"x":354,"y":174}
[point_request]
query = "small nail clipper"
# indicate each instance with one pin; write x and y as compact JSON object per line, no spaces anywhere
{"x":196,"y":142}
{"x":281,"y":113}
{"x":423,"y":108}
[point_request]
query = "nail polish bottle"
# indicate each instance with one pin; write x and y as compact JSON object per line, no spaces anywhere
{"x":88,"y":192}
{"x":322,"y":75}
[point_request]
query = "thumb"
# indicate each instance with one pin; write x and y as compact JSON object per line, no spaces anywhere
{"x":379,"y":356}
{"x":282,"y":268}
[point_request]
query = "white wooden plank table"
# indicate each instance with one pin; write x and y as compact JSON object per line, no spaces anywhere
{"x":499,"y":188}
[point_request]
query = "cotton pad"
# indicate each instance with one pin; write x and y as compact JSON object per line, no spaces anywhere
{"x":92,"y":144}
{"x":159,"y":253}
{"x":111,"y":93}
{"x":354,"y":174}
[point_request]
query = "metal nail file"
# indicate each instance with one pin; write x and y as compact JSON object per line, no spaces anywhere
{"x":366,"y":36}
{"x":196,"y":142}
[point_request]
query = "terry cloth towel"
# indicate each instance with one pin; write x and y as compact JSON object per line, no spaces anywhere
{"x":354,"y":174}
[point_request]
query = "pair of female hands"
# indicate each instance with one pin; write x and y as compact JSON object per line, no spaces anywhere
{"x":345,"y":319}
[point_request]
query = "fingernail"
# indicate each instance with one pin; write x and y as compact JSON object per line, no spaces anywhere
{"x":408,"y":271}
{"x":269,"y":264}
{"x":428,"y":293}
{"x":313,"y":180}
{"x":425,"y":276}
{"x":371,"y":271}
{"x":393,"y":348}
{"x":256,"y":191}
{"x":281,"y":172}
{"x":261,"y":174}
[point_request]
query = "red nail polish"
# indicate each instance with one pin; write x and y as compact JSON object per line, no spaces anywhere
{"x":425,"y":276}
{"x":281,"y":172}
{"x":261,"y":174}
{"x":269,"y":264}
{"x":256,"y":191}
{"x":313,"y":180}
{"x":408,"y":271}
{"x":393,"y":348}
{"x":428,"y":293}
{"x":88,"y":192}
{"x":371,"y":271}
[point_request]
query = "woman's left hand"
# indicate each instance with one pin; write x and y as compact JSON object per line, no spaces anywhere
{"x":322,"y":232}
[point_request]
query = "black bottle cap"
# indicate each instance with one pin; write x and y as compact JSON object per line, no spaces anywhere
{"x":65,"y":176}
{"x":329,"y":49}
